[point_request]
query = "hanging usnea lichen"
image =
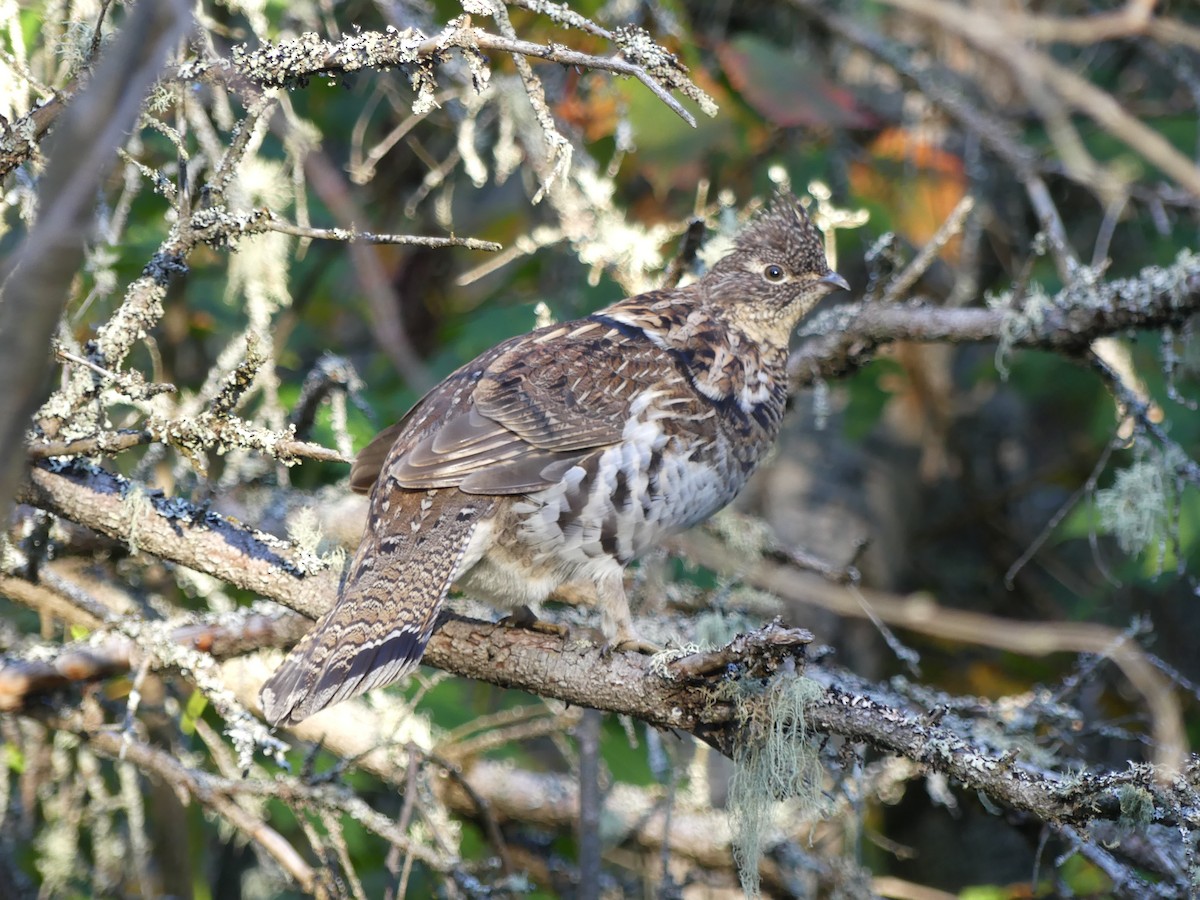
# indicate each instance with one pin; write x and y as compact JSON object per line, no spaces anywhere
{"x":1140,"y":508}
{"x":774,"y":761}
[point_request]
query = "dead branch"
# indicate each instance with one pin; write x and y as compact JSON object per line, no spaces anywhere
{"x":173,"y":529}
{"x":106,"y":654}
{"x":293,"y":62}
{"x":549,"y":800}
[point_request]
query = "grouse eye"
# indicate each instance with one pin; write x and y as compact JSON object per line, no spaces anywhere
{"x":773,"y":273}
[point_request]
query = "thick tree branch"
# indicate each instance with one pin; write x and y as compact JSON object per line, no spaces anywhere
{"x":630,"y":684}
{"x":178,"y":531}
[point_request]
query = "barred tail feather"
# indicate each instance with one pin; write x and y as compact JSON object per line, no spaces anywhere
{"x":386,"y":610}
{"x":330,"y":665}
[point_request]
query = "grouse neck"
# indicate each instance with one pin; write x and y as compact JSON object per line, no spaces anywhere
{"x":722,"y":361}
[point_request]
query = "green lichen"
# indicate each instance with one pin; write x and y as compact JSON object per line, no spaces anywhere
{"x":716,"y":628}
{"x":746,"y":535}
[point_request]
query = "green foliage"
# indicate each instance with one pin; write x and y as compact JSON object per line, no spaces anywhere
{"x":196,"y":705}
{"x":14,"y":758}
{"x":985,"y":892}
{"x":868,"y":398}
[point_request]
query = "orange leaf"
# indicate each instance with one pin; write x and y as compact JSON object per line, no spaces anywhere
{"x":917,"y":180}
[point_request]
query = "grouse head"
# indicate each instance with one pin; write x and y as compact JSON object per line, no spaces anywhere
{"x":776,"y":273}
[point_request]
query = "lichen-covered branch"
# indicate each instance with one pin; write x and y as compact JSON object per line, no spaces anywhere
{"x":581,"y":674}
{"x":353,"y":235}
{"x":846,"y":338}
{"x":35,"y":279}
{"x":178,"y":531}
{"x":26,"y":677}
{"x":293,"y":62}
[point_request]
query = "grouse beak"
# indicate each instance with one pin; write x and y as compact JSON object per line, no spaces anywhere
{"x":834,"y":282}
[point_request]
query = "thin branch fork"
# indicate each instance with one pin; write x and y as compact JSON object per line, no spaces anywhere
{"x":486,"y":41}
{"x":142,"y":307}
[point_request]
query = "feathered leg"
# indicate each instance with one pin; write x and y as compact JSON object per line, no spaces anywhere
{"x":616,"y":623}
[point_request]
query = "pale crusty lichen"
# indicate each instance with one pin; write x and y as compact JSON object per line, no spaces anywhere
{"x":246,"y":732}
{"x":290,"y":63}
{"x":661,"y":661}
{"x":304,"y":530}
{"x":135,"y":505}
{"x":603,"y":238}
{"x":57,"y":841}
{"x":1088,"y":305}
{"x":468,"y":132}
{"x":260,"y":268}
{"x":747,"y":536}
{"x":1137,"y":807}
{"x":640,"y":48}
{"x":717,"y":627}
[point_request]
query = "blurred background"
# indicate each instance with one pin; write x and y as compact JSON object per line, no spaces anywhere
{"x":958,"y":477}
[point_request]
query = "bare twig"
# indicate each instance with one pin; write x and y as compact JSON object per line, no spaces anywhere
{"x":331,"y":187}
{"x":353,"y":235}
{"x":591,"y":805}
{"x":913,"y":271}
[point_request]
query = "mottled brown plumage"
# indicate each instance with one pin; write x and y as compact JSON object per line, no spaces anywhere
{"x":561,"y":455}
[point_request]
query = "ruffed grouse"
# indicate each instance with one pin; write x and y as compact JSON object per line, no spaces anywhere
{"x":561,"y":455}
